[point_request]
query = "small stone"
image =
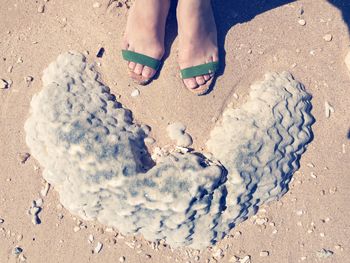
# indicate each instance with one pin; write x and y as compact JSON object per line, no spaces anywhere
{"x":23,"y":157}
{"x":311,"y":165}
{"x":261,"y":221}
{"x":98,"y":248}
{"x":28,"y":80}
{"x":302,"y":22}
{"x":218,"y":254}
{"x":235,"y":95}
{"x":300,"y":11}
{"x":90,"y":238}
{"x":303,"y":258}
{"x":2,"y":220}
{"x":148,"y":256}
{"x":333,"y":190}
{"x":3,"y":84}
{"x":237,"y":234}
{"x":135,"y":93}
{"x":149,"y":140}
{"x":100,"y":230}
{"x":17,"y":250}
{"x":264,"y":253}
{"x":96,"y":5}
{"x":245,"y":259}
{"x":19,"y":237}
{"x":326,"y":220}
{"x":234,"y":259}
{"x":250,"y":51}
{"x":328,"y":37}
{"x":339,"y":247}
{"x":41,"y":8}
{"x":9,"y":69}
{"x":313,"y":175}
{"x":324,"y":253}
{"x":100,"y":52}
{"x":76,"y":229}
{"x":122,"y":259}
{"x":112,"y":241}
{"x":109,"y":230}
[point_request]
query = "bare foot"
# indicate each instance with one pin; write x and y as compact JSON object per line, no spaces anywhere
{"x":197,"y":38}
{"x":145,"y":32}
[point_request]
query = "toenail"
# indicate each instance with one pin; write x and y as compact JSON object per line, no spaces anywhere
{"x":146,"y":72}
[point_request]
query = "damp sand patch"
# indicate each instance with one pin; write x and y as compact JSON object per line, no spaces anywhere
{"x":95,"y":157}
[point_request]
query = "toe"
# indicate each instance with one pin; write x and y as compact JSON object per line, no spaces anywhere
{"x":191,"y":83}
{"x":200,"y":80}
{"x":138,"y":69}
{"x":148,"y":72}
{"x":132,"y":65}
{"x":206,"y":77}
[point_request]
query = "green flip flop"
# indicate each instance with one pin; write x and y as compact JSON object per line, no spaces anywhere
{"x":200,"y":70}
{"x":143,"y":60}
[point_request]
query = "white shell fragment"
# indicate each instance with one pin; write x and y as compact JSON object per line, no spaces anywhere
{"x":135,"y":93}
{"x":28,"y":80}
{"x":324,"y":253}
{"x":41,"y":8}
{"x":95,"y":157}
{"x":328,"y":37}
{"x":45,"y":190}
{"x":328,"y":109}
{"x":347,"y":60}
{"x":98,"y":248}
{"x":3,"y":84}
{"x":302,"y":22}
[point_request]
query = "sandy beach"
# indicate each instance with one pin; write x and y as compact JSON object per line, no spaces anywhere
{"x":309,"y":39}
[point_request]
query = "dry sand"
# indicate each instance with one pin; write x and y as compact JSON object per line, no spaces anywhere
{"x":313,"y":215}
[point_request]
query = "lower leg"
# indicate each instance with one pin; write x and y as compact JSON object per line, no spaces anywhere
{"x":197,"y":37}
{"x":145,"y":32}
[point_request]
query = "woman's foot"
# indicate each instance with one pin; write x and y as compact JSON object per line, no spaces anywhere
{"x":197,"y":39}
{"x":144,"y":34}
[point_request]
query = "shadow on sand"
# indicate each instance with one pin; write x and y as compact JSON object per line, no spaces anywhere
{"x":231,"y":12}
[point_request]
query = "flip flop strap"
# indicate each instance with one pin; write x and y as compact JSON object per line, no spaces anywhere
{"x":141,"y":59}
{"x":199,"y":70}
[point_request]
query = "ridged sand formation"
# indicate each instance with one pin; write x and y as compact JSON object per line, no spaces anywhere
{"x":95,"y":157}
